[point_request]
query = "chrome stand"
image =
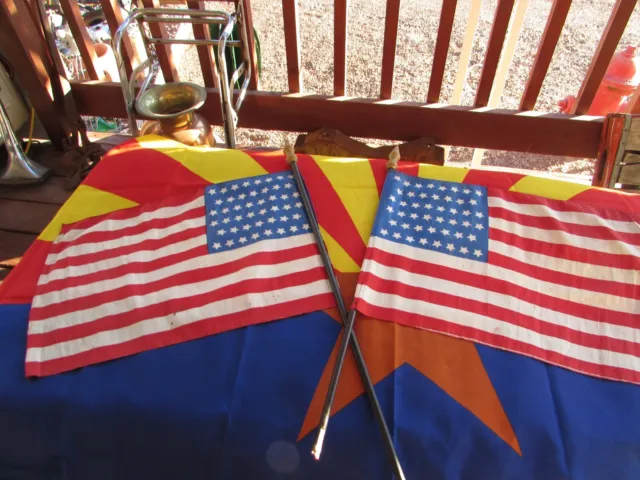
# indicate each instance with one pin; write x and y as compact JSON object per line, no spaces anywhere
{"x":150,"y":66}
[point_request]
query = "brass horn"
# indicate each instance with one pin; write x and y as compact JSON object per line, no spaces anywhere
{"x":171,"y":108}
{"x":20,"y":169}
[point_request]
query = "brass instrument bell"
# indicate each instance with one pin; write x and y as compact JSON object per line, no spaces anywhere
{"x":171,"y":110}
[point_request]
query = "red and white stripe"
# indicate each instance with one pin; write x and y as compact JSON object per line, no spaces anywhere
{"x":561,"y":284}
{"x":142,"y":278}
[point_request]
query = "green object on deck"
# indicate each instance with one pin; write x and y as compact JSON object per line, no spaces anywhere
{"x":233,"y":55}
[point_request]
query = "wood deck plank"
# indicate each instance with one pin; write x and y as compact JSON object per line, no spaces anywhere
{"x":13,"y":246}
{"x":25,"y":217}
{"x":50,"y":191}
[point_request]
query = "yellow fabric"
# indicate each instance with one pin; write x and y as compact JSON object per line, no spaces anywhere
{"x":549,"y":188}
{"x":213,"y":164}
{"x":340,"y":259}
{"x":85,"y":202}
{"x":446,"y":174}
{"x":353,"y":181}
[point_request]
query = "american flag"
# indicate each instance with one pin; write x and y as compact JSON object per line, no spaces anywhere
{"x":554,"y":280}
{"x":237,"y":254}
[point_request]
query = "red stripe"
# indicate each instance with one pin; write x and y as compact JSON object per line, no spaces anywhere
{"x":550,"y":223}
{"x":531,"y":295}
{"x":608,"y":287}
{"x":137,"y":229}
{"x":599,"y":342}
{"x":145,"y":175}
{"x":379,"y":170}
{"x":182,"y":279}
{"x":563,"y":205}
{"x":611,"y":199}
{"x":132,"y":212}
{"x":567,"y":252}
{"x":272,"y":161}
{"x":331,"y":212}
{"x":499,"y":341}
{"x":124,"y":269}
{"x":181,"y":334}
{"x":409,"y":168}
{"x":146,"y":245}
{"x":174,"y":305}
{"x":489,"y":178}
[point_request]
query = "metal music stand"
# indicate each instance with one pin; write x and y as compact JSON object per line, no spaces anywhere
{"x":145,"y":16}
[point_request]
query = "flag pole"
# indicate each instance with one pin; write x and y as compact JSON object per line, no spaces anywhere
{"x":348,"y":319}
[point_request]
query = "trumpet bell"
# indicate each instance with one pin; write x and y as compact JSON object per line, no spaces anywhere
{"x":20,"y":169}
{"x":171,"y":108}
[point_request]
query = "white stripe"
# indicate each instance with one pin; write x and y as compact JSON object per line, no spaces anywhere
{"x":126,"y":240}
{"x":563,"y":292}
{"x":202,"y":261}
{"x":562,"y":265}
{"x":579,"y":218}
{"x":465,"y":292}
{"x":496,"y":327}
{"x":564,"y":238}
{"x":186,"y":317}
{"x":111,"y":225}
{"x":134,"y":302}
{"x":109,"y":263}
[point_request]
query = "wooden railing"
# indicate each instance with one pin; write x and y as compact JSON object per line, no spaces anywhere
{"x":479,"y":126}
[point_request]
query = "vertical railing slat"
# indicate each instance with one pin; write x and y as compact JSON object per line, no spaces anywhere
{"x":205,"y":52}
{"x":292,"y":44}
{"x":494,"y":49}
{"x":548,"y":42}
{"x":606,"y":48}
{"x":114,"y":16}
{"x":445,"y":27}
{"x":80,"y":34}
{"x":248,"y":19}
{"x":340,"y":8}
{"x":164,"y":52}
{"x":389,"y":48}
{"x":23,"y":47}
{"x":506,"y":59}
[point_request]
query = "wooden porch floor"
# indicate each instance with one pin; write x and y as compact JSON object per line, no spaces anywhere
{"x":26,"y":211}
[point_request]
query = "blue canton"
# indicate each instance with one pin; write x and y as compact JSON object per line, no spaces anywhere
{"x":446,"y":217}
{"x":246,"y":211}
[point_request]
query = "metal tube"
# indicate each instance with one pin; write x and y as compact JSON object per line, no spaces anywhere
{"x":186,"y":41}
{"x":145,"y":16}
{"x":348,"y":335}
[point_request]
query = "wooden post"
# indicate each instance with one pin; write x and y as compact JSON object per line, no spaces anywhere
{"x":164,"y":52}
{"x":24,"y":49}
{"x":113,"y":14}
{"x":445,"y":27}
{"x":292,"y":44}
{"x":494,"y":49}
{"x":205,"y":52}
{"x":389,"y":48}
{"x":503,"y":68}
{"x":253,"y":58}
{"x":548,"y":43}
{"x":340,"y":8}
{"x":81,"y":36}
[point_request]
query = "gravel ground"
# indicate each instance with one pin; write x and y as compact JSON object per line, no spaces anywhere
{"x":416,"y":41}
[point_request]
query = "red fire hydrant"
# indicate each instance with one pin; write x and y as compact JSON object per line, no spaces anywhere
{"x":619,"y":82}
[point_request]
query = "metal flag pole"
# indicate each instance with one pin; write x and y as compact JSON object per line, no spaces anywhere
{"x":348,"y":320}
